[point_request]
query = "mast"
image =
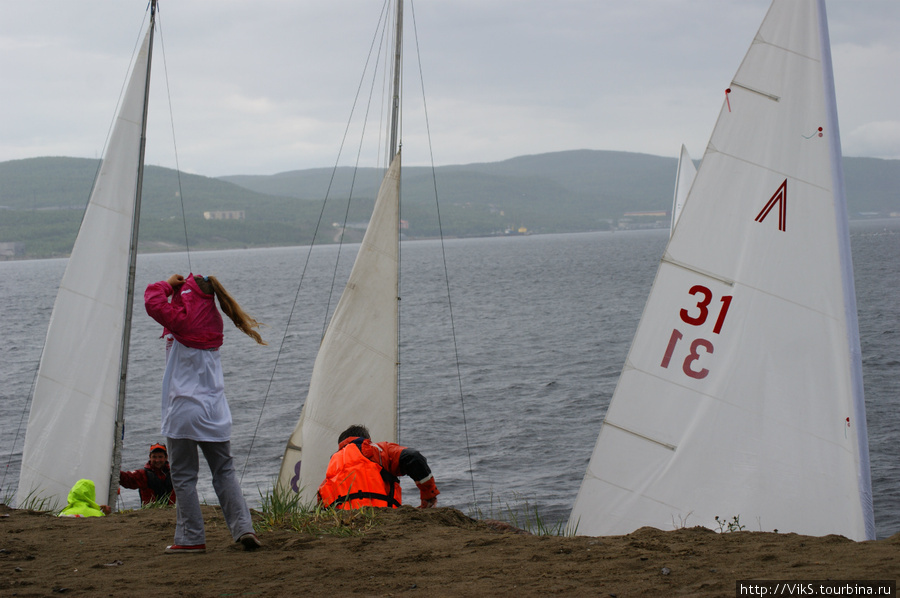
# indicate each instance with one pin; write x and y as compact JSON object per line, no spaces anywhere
{"x":392,"y":155}
{"x":395,"y":108}
{"x":132,"y":268}
{"x":355,"y":376}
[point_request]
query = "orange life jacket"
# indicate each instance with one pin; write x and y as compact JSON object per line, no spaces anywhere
{"x":353,"y":481}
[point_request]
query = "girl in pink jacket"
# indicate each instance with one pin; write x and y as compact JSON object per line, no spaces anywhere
{"x":195,"y":413}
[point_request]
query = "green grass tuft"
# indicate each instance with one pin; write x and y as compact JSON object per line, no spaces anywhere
{"x":34,"y":502}
{"x":283,"y":509}
{"x":523,"y":515}
{"x":161,"y":502}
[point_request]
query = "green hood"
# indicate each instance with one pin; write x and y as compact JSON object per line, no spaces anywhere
{"x":81,"y":501}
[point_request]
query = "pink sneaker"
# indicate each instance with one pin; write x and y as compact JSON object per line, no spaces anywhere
{"x":192,"y":549}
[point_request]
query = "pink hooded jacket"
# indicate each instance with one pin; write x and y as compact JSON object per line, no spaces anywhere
{"x":192,"y":316}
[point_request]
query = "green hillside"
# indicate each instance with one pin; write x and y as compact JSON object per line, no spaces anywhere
{"x":42,"y":199}
{"x":566,"y":191}
{"x":558,"y":192}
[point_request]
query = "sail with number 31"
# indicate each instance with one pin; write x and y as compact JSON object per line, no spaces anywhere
{"x":741,"y":399}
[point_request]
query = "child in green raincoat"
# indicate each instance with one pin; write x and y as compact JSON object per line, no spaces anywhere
{"x":81,"y":502}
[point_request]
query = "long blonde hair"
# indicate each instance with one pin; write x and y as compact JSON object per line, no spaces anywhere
{"x":230,"y":307}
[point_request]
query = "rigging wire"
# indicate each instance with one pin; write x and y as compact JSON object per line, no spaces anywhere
{"x":444,"y":258}
{"x":187,"y":247}
{"x":382,"y":33}
{"x":303,"y":271}
{"x":382,"y":20}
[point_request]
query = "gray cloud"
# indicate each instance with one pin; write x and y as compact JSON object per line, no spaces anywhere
{"x":266,"y":86}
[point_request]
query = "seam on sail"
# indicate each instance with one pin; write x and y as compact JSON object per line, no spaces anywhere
{"x":757,"y":289}
{"x":77,"y":293}
{"x":671,"y":447}
{"x":827,"y":439}
{"x":361,"y":343}
{"x":761,"y":40}
{"x":641,"y":494}
{"x":669,"y":260}
{"x":771,"y":96}
{"x":792,"y":177}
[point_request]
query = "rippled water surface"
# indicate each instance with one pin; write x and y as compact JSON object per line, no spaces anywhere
{"x":542,"y":325}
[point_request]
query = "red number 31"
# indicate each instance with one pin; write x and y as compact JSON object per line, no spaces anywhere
{"x":705,"y":298}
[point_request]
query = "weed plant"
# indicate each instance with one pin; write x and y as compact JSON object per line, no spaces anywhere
{"x":523,"y":515}
{"x":35,"y":502}
{"x":284,"y":509}
{"x":730,"y":526}
{"x":160,"y":502}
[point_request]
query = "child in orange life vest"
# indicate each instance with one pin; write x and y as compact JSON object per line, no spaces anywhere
{"x":363,"y":473}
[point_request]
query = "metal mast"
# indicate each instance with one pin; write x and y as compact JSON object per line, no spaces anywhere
{"x":132,"y":267}
{"x":395,"y":108}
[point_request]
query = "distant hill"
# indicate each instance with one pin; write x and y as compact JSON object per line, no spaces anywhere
{"x":590,"y":183}
{"x":557,"y":192}
{"x":42,"y":199}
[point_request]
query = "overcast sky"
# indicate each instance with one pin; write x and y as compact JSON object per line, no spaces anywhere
{"x":266,"y":86}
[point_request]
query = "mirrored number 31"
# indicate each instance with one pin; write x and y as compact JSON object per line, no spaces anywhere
{"x":697,"y":316}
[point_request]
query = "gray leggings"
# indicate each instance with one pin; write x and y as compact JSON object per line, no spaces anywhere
{"x":184,"y":462}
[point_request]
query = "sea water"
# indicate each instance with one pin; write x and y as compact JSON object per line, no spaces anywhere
{"x":505,"y":398}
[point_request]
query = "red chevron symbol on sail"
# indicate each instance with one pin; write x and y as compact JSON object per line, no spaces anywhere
{"x":779,"y":198}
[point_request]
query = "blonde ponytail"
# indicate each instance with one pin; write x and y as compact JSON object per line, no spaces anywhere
{"x":230,"y":307}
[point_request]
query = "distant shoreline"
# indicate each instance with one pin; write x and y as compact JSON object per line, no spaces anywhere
{"x":891,"y":224}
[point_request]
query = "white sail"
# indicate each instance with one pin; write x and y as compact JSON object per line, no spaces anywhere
{"x":70,"y":433}
{"x":355,"y":375}
{"x":354,"y":379}
{"x":683,"y":180}
{"x":742,"y":393}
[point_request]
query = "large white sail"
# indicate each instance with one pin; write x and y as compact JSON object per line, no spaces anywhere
{"x":70,"y":433}
{"x":354,"y":378}
{"x":742,"y":393}
{"x":683,"y":180}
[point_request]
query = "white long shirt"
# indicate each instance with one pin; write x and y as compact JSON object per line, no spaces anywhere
{"x":193,"y":395}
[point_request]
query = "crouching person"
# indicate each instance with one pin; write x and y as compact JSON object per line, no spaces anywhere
{"x":82,"y":503}
{"x":154,"y":481}
{"x":363,"y":473}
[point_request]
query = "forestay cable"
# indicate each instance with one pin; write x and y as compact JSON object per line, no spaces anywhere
{"x":306,"y":262}
{"x":379,"y":32}
{"x":444,"y":259}
{"x":187,"y":247}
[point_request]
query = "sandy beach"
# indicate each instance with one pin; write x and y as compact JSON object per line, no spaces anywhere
{"x":412,"y":552}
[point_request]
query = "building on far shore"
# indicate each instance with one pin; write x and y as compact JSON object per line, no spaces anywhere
{"x":11,"y":250}
{"x":643,"y":220}
{"x":224,"y":215}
